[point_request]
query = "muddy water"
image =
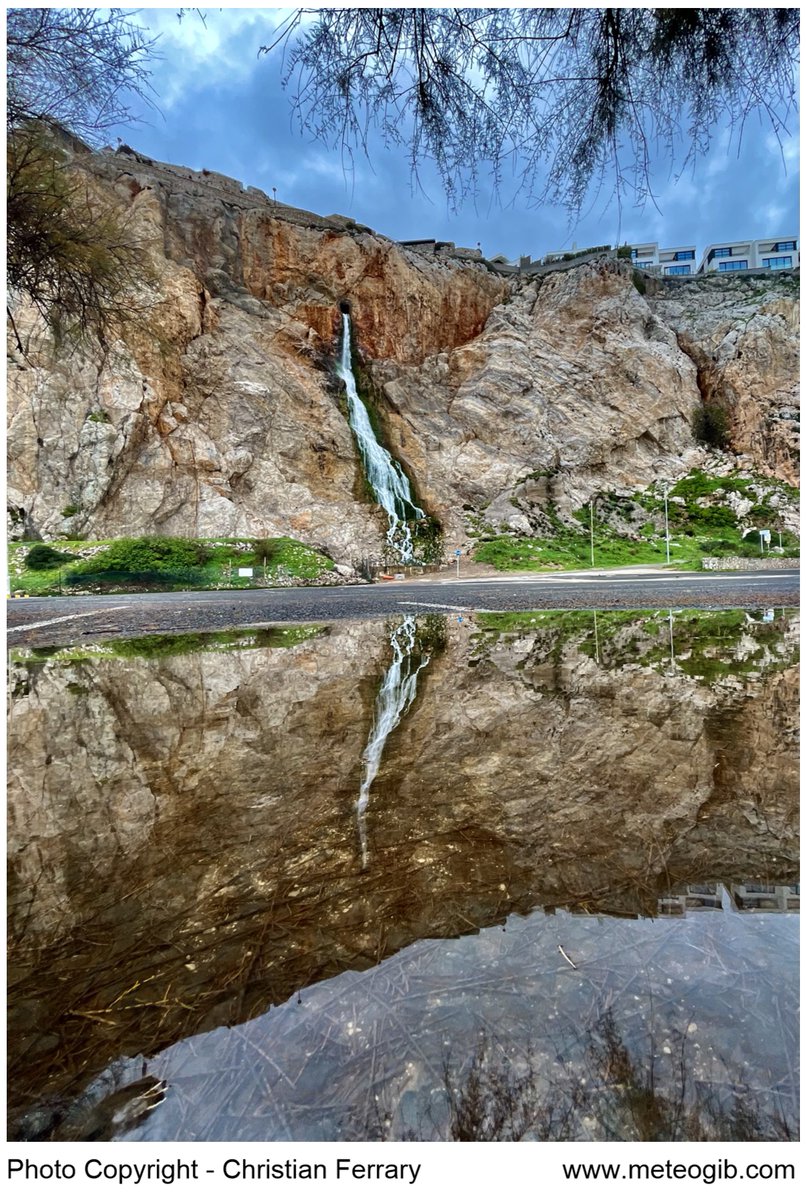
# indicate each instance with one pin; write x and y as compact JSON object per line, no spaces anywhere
{"x":198,"y":918}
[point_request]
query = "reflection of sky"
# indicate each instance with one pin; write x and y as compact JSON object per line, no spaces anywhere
{"x":332,"y":1062}
{"x":224,"y":109}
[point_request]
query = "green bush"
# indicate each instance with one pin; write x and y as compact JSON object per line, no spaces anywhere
{"x":697,"y":483}
{"x":265,"y":548}
{"x":710,"y":426}
{"x":145,"y":560}
{"x":43,"y":558}
{"x":639,"y":282}
{"x":169,"y":578}
{"x":762,"y":513}
{"x":698,"y":518}
{"x":720,"y":546}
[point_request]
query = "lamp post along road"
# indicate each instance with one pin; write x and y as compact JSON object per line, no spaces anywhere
{"x":666,"y":518}
{"x":591,"y":532}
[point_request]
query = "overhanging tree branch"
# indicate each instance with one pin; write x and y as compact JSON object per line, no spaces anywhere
{"x":558,"y":94}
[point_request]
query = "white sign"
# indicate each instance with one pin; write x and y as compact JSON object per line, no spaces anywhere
{"x":765,"y":533}
{"x":246,"y":572}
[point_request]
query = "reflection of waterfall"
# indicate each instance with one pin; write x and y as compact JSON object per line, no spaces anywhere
{"x":386,"y":477}
{"x":396,"y":695}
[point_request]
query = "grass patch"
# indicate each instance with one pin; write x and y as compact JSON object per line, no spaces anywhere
{"x":277,"y":637}
{"x":568,"y":549}
{"x":708,"y":646}
{"x":703,"y":524}
{"x":165,"y":564}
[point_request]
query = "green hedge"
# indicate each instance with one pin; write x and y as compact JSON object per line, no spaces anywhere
{"x":43,"y":558}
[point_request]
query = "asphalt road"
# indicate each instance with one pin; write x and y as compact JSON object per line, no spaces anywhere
{"x":66,"y":619}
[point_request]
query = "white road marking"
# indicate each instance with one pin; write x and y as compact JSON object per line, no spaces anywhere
{"x":423,"y":604}
{"x":639,"y":581}
{"x":79,"y":616}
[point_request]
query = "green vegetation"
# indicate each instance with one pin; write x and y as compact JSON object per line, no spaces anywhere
{"x":570,"y":549}
{"x":708,"y":646}
{"x":277,"y":637}
{"x":162,"y":563}
{"x":639,"y":283}
{"x":710,"y":426}
{"x":42,"y":557}
{"x":701,"y":522}
{"x":428,"y":540}
{"x":71,"y":251}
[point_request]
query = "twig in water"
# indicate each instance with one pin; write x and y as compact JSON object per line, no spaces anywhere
{"x":565,"y":956}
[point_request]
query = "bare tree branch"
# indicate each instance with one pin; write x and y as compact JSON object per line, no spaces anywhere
{"x":562,"y":96}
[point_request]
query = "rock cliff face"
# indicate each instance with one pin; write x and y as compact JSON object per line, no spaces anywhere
{"x":183,"y":839}
{"x":217,"y":412}
{"x":743,"y":337}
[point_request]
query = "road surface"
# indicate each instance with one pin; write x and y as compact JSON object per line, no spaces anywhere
{"x":62,"y":620}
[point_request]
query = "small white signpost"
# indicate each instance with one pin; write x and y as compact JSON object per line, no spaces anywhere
{"x":764,"y":538}
{"x":246,"y":572}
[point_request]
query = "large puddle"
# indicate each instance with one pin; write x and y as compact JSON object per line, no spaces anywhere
{"x":520,"y":875}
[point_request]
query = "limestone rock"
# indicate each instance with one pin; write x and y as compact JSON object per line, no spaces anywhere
{"x":218,"y":413}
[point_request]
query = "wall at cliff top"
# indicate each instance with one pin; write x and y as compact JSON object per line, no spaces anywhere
{"x":217,"y":414}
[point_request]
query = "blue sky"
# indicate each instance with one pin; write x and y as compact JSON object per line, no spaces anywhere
{"x":224,"y":109}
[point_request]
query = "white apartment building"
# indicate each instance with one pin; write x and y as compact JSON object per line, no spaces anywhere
{"x":645,"y":255}
{"x":678,"y":260}
{"x":777,"y":254}
{"x":773,"y":254}
{"x":674,"y":260}
{"x":770,"y":254}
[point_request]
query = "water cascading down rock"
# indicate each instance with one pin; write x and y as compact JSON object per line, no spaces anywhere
{"x":386,"y":477}
{"x":395,"y":697}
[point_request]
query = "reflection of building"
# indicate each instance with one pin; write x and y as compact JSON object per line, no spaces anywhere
{"x":693,"y":896}
{"x":765,"y":897}
{"x":741,"y":897}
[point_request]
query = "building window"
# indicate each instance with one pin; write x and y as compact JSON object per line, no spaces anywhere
{"x":644,"y":264}
{"x":785,"y":246}
{"x":735,"y":264}
{"x":678,"y":270}
{"x":777,"y":264}
{"x":682,"y":255}
{"x":720,"y":252}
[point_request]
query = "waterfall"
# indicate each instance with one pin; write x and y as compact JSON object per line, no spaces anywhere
{"x":386,"y":476}
{"x":394,"y":699}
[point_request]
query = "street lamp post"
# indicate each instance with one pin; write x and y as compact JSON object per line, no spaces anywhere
{"x":591,"y":532}
{"x":666,"y":517}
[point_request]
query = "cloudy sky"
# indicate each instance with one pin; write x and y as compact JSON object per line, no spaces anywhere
{"x":223,"y":108}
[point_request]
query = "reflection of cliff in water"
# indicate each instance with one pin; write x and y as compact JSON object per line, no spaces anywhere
{"x":182,"y":835}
